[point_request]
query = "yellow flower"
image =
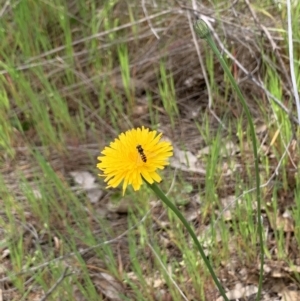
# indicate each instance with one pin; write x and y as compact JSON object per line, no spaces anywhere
{"x":134,"y":155}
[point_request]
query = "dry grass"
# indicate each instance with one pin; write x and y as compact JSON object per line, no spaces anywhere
{"x":87,"y":76}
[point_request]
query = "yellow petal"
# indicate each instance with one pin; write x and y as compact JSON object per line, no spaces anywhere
{"x":122,"y":161}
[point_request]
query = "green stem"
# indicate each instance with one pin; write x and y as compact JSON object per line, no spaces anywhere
{"x":203,"y":31}
{"x":164,"y":198}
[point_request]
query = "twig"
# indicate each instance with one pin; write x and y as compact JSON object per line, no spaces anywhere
{"x":204,"y":73}
{"x":250,"y":76}
{"x":167,"y":272}
{"x":257,"y":82}
{"x":291,"y":55}
{"x":273,"y":44}
{"x":148,"y":20}
{"x":5,"y":6}
{"x":275,"y":173}
{"x":56,"y":284}
{"x":104,"y":33}
{"x":200,"y":56}
{"x":81,"y":252}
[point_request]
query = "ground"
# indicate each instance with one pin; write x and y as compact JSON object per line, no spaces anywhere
{"x":70,"y":88}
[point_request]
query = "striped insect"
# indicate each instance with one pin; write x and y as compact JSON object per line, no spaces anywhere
{"x":141,"y":152}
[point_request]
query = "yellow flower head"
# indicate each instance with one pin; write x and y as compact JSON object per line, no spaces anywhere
{"x":134,"y":155}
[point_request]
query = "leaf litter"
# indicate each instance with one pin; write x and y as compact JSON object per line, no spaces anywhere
{"x":237,"y":274}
